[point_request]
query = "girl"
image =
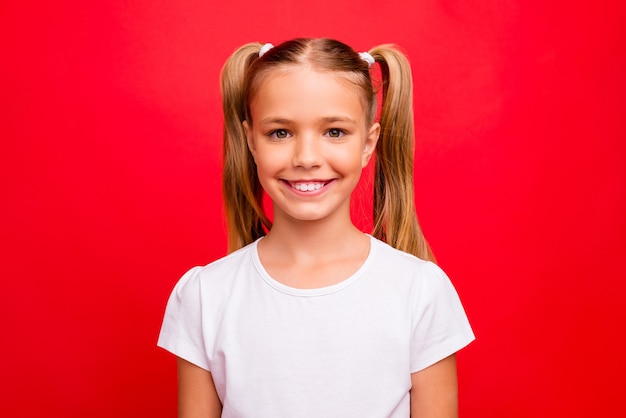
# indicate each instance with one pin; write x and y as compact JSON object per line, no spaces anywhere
{"x":307,"y":316}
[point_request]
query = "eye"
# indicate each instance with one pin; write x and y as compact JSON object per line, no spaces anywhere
{"x":279,"y":134}
{"x":335,"y":133}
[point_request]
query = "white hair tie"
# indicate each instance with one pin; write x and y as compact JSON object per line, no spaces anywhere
{"x":365,"y":56}
{"x":265,"y":48}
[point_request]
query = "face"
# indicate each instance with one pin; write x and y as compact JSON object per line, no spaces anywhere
{"x":310,"y":140}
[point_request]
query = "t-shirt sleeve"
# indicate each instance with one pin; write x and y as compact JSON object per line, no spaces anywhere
{"x":440,"y":325}
{"x":181,"y":331}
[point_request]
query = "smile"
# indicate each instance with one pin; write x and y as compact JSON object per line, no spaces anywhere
{"x":307,"y":186}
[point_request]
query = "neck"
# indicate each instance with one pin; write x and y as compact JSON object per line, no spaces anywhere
{"x":317,"y":240}
{"x":313,"y":254}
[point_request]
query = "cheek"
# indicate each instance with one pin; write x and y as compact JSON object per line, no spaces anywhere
{"x":269,"y":163}
{"x":350,"y":158}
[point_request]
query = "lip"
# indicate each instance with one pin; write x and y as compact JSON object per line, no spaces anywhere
{"x":308,"y":187}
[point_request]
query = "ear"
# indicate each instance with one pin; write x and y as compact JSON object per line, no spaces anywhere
{"x":370,"y":143}
{"x":247,"y":129}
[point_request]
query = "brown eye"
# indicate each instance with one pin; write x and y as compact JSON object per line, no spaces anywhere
{"x":335,"y":133}
{"x":279,"y":134}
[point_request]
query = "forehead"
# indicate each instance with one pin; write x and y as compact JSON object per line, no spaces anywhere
{"x":302,"y":90}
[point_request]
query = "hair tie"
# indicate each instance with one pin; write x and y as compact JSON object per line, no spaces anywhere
{"x":365,"y":56}
{"x":265,"y":48}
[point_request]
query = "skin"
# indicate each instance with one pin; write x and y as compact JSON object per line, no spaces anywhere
{"x":309,"y":128}
{"x":434,"y":391}
{"x":197,"y":397}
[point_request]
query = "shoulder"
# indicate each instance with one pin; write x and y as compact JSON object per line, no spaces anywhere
{"x":218,"y":273}
{"x":408,"y":273}
{"x":387,"y":257}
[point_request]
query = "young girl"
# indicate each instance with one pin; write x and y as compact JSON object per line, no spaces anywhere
{"x":308,"y":316}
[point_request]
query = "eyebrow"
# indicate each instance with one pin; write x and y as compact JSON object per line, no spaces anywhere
{"x":326,"y":119}
{"x":331,"y":119}
{"x":270,"y":120}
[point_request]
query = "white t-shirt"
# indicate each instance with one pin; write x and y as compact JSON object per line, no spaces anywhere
{"x":346,"y":350}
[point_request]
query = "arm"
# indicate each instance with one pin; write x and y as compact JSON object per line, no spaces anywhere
{"x":197,"y":397}
{"x":434,"y":392}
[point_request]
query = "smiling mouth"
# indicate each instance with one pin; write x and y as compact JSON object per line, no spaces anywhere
{"x":307,"y":186}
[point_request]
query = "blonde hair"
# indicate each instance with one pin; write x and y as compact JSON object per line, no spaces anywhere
{"x":395,"y":220}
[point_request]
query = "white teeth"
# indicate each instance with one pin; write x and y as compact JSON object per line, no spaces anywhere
{"x":307,"y":187}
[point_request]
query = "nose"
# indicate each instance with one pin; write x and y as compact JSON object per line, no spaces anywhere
{"x":307,"y":152}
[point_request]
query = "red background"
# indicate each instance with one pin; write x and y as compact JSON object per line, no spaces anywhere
{"x":109,"y":160}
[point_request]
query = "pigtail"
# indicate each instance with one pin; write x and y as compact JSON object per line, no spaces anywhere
{"x":395,"y":219}
{"x":242,"y":191}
